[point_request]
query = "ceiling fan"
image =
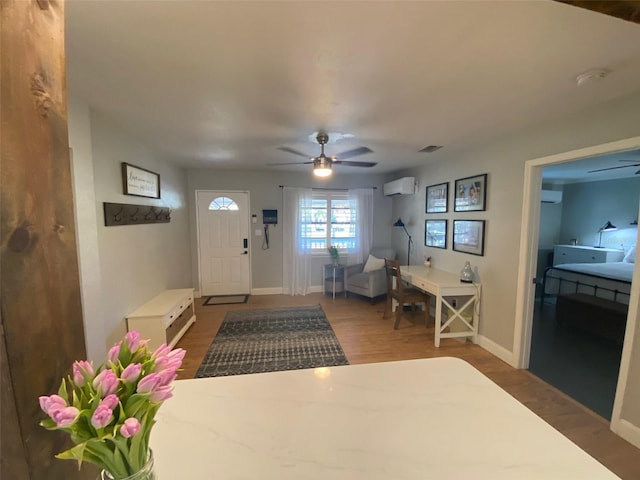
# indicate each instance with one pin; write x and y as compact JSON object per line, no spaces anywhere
{"x":323,"y":164}
{"x":636,"y":164}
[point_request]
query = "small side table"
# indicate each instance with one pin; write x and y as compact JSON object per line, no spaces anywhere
{"x":333,"y":279}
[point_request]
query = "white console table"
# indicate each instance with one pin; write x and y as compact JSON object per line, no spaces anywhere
{"x":164,"y":319}
{"x":446,"y":287}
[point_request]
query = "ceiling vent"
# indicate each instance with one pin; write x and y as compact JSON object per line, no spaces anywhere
{"x":430,"y":148}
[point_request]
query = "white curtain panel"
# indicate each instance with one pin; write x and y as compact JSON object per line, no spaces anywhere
{"x":361,"y":202}
{"x":296,"y":258}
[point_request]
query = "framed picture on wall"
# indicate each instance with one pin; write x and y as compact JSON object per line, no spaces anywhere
{"x":468,"y":236}
{"x":140,"y":182}
{"x":435,"y":233}
{"x":470,"y":194}
{"x":437,"y":198}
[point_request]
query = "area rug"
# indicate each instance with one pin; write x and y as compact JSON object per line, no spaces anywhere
{"x":257,"y":341}
{"x":225,"y":299}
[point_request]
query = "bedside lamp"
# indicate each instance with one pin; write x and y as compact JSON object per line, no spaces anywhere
{"x":607,"y":227}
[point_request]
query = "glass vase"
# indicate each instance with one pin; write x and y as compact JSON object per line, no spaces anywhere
{"x":146,"y":473}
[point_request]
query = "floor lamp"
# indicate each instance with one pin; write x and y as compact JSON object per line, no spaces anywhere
{"x":400,"y":223}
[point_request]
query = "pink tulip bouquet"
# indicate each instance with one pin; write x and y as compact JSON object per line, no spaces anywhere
{"x":109,"y":411}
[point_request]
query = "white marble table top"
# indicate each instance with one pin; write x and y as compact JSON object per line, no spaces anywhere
{"x":420,"y":419}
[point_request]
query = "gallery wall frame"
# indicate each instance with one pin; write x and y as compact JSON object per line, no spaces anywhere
{"x":437,"y":198}
{"x":470,"y":194}
{"x":435,"y":233}
{"x":468,"y":236}
{"x":140,"y":182}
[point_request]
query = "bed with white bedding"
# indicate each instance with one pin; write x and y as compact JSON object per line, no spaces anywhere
{"x":593,"y":297}
{"x":611,"y":281}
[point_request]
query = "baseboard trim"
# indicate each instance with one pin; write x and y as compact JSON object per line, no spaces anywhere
{"x":629,"y":432}
{"x":497,"y":350}
{"x":311,"y":289}
{"x":267,"y":291}
{"x":196,"y":294}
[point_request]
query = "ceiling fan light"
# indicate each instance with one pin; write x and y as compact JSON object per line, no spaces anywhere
{"x":321,"y":171}
{"x":322,"y":167}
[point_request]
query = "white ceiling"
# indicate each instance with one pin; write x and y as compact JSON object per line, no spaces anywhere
{"x":617,"y":165}
{"x":224,"y":84}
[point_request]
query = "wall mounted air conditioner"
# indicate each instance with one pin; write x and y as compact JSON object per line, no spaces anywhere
{"x":402,"y":186}
{"x":551,"y":196}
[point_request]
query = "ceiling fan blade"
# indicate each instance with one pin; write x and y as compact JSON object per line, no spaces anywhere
{"x":614,"y":168}
{"x":289,"y":163}
{"x":293,"y":150}
{"x":355,"y":164}
{"x":354,"y":153}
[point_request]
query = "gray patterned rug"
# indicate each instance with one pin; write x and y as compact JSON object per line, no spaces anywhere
{"x":257,"y":341}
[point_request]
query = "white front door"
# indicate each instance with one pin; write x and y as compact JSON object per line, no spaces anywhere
{"x":223,"y":242}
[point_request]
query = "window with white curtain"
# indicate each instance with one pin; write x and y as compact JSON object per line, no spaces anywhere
{"x":329,"y":220}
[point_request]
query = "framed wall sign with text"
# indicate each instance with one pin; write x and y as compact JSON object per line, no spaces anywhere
{"x":140,"y":182}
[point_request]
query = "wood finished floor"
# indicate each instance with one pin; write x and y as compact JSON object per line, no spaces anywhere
{"x":367,"y":338}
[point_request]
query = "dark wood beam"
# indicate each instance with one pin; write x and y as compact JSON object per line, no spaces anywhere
{"x":625,"y":9}
{"x":40,"y":316}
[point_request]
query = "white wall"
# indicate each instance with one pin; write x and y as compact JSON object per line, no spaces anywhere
{"x":86,"y":228}
{"x":265,"y":193}
{"x":589,"y":205}
{"x":122,"y":267}
{"x":550,"y":222}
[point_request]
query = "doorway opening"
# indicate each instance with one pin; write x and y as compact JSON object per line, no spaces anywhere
{"x":566,"y":337}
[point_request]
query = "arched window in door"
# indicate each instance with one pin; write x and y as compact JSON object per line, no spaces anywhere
{"x":223,"y":203}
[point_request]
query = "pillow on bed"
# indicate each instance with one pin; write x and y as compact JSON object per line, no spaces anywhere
{"x":630,"y":257}
{"x":373,"y":263}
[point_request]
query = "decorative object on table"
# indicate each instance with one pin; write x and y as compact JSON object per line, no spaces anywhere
{"x":468,"y":236}
{"x":140,"y":181}
{"x":471,"y":194}
{"x":607,"y":227}
{"x":335,"y":255}
{"x":400,"y":223}
{"x":271,"y":340}
{"x":437,"y":198}
{"x":109,"y":411}
{"x":427,"y":262}
{"x":435,"y":233}
{"x":466,"y":274}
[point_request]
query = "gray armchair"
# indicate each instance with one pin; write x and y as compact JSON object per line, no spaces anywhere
{"x":369,"y":284}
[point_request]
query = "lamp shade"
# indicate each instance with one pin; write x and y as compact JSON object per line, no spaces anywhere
{"x":399,"y":223}
{"x":607,"y":227}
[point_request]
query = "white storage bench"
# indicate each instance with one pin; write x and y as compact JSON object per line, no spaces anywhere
{"x":164,"y":319}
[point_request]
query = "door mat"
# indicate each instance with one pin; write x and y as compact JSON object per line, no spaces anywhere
{"x":257,"y":341}
{"x":225,"y":299}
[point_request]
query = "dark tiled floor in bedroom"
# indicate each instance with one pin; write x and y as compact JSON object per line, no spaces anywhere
{"x":580,"y":364}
